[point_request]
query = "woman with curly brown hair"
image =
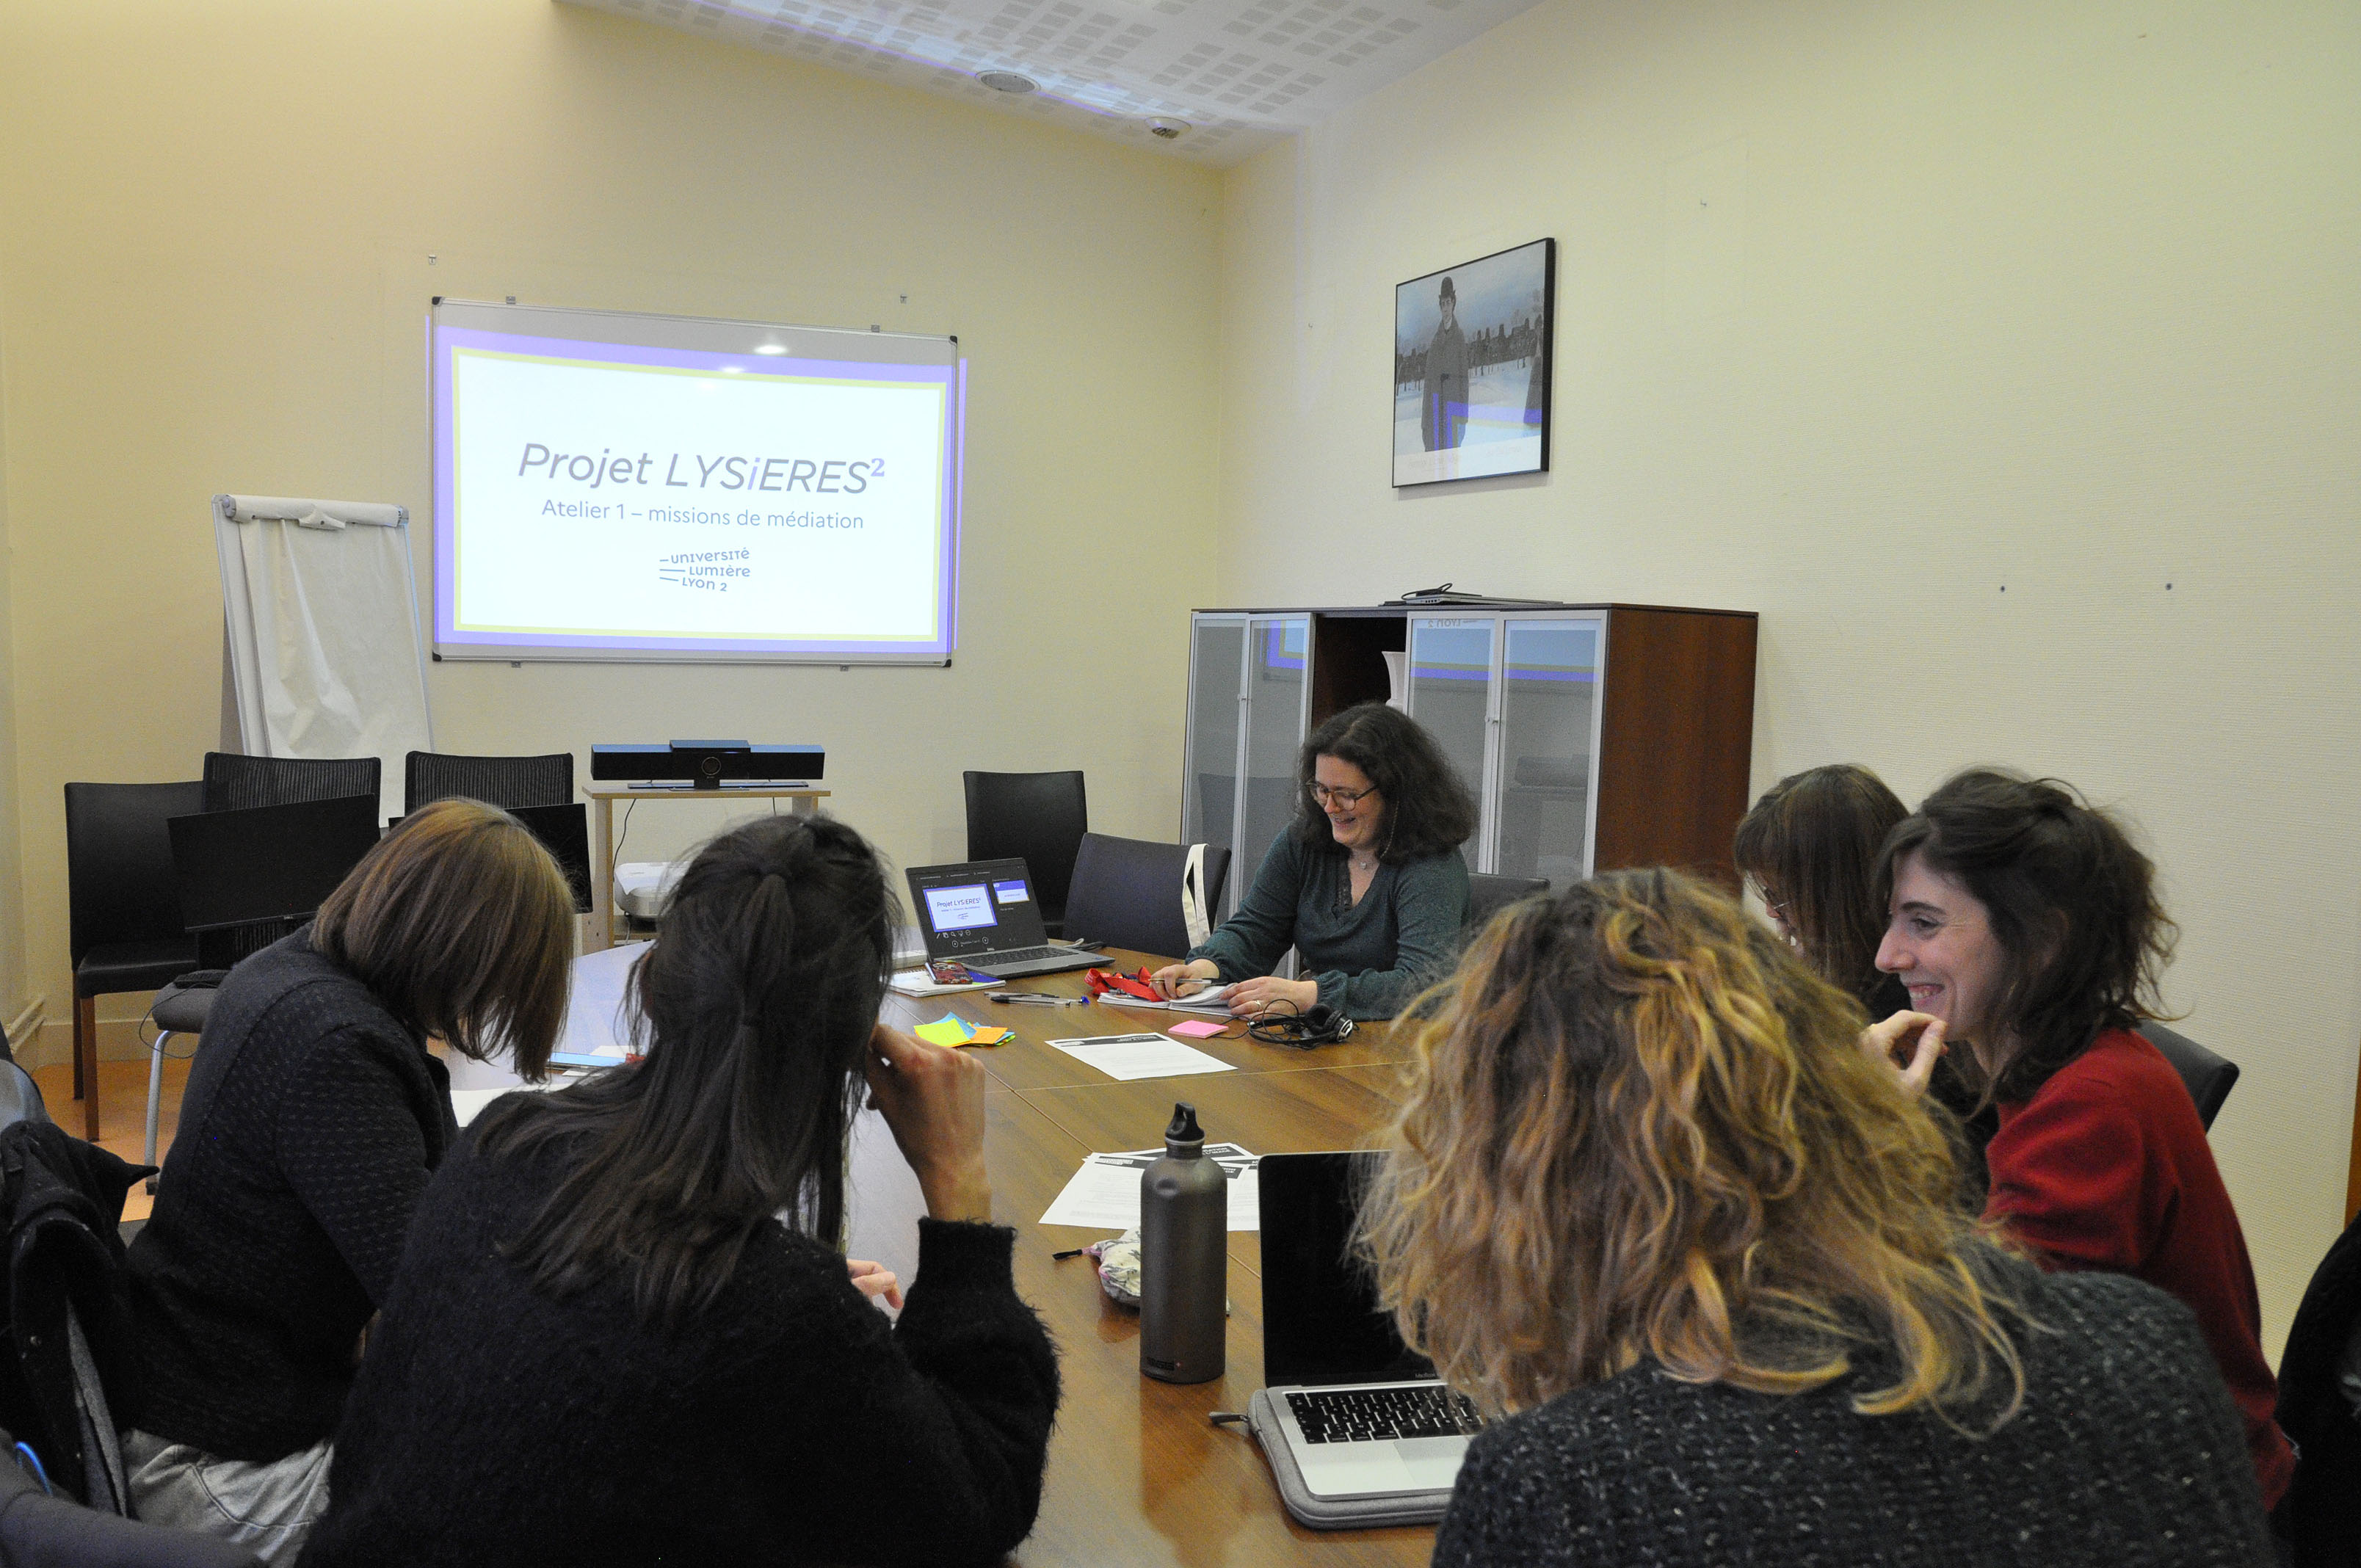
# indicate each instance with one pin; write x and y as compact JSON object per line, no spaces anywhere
{"x":1367,"y":883}
{"x":2025,"y":925}
{"x":1647,"y":1194}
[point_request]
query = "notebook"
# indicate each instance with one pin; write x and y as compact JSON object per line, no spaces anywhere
{"x":983,"y":914}
{"x":1362,"y":1419}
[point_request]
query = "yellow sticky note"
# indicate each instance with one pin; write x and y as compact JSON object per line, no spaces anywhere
{"x":950,"y":1033}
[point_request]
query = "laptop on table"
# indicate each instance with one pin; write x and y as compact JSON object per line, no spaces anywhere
{"x":1372,"y":1435}
{"x":983,"y":915}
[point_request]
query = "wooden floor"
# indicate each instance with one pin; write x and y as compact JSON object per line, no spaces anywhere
{"x":123,"y":1111}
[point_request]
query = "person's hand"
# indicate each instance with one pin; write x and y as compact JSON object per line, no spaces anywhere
{"x":1909,"y":1043}
{"x":1252,"y":998}
{"x":933,"y":1101}
{"x":1170,"y":981}
{"x":874,"y":1279}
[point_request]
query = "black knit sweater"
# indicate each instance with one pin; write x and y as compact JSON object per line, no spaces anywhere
{"x":790,"y":1421}
{"x":310,"y":1126}
{"x":2127,"y":1450}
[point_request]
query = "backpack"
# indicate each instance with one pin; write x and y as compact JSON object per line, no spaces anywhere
{"x":66,"y":1354}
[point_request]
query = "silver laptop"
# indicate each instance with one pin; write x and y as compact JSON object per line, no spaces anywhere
{"x":1363,"y":1415}
{"x":984,"y":914}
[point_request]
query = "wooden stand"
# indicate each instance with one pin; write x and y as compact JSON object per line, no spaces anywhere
{"x":802,"y":801}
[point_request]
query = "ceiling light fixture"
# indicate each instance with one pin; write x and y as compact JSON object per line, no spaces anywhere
{"x":1007,"y":82}
{"x":770,"y":348}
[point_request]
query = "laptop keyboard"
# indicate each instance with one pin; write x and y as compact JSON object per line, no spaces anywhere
{"x":990,"y":963}
{"x":1372,"y":1415}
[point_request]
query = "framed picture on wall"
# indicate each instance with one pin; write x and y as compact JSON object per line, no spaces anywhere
{"x":1472,"y":367}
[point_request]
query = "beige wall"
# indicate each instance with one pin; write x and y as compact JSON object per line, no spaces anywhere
{"x":214,"y":276}
{"x":1865,"y":314}
{"x":15,"y":996}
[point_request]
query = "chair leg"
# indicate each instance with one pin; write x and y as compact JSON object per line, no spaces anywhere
{"x":86,"y":1063}
{"x":155,"y":1096}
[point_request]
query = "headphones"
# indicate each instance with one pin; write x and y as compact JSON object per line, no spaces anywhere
{"x":1322,"y":1025}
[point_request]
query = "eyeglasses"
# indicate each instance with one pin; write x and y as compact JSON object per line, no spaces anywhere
{"x":1323,"y":794}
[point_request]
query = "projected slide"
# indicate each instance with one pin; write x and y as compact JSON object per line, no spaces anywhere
{"x":730,"y":493}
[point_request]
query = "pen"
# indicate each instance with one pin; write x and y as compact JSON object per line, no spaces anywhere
{"x":1040,"y":998}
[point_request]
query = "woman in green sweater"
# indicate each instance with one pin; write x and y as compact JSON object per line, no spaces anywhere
{"x":1367,"y":884}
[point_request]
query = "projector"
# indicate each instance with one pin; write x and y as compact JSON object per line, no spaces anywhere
{"x":708,"y":765}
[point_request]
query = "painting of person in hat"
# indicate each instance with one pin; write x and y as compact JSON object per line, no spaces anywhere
{"x":1443,"y":414}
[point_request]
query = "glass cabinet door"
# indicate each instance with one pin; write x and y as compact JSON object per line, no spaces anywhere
{"x":1548,"y":707}
{"x":1278,"y":665}
{"x":1451,"y":695}
{"x":1209,"y":795}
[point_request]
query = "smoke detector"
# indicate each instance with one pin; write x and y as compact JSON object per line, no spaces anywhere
{"x":1007,"y":82}
{"x":1171,"y":130}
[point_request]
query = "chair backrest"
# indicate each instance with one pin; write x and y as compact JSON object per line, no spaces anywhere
{"x":1488,"y":894}
{"x":496,"y":780}
{"x":1041,"y":816}
{"x":1126,"y":893}
{"x":2209,"y":1077}
{"x":234,"y":781}
{"x":119,"y":861}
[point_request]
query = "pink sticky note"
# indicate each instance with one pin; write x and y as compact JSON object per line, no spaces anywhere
{"x":1194,"y":1029}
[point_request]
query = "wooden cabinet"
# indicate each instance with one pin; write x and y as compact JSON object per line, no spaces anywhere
{"x":1593,"y":736}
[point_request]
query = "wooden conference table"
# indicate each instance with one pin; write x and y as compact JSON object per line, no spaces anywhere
{"x":1137,"y":1475}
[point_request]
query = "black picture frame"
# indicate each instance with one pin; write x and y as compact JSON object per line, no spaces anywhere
{"x":1494,"y":378}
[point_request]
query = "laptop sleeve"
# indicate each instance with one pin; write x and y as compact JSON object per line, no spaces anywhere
{"x":1331,"y":1513}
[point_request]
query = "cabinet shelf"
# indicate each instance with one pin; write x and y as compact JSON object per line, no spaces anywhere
{"x":1593,"y":736}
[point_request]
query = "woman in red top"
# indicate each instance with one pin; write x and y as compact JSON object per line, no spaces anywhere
{"x":2026,"y":926}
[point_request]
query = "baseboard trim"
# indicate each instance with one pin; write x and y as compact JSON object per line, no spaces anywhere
{"x":52,"y":1042}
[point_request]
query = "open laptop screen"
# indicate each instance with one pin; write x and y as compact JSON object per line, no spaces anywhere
{"x":981,"y":906}
{"x":267,"y":862}
{"x":1320,"y":1317}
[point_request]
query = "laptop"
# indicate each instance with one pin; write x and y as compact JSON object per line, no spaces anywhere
{"x":983,"y":914}
{"x":1363,"y":1416}
{"x":564,"y":832}
{"x":267,"y":862}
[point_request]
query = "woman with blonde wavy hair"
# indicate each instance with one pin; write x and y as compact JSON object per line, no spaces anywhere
{"x":1647,"y":1198}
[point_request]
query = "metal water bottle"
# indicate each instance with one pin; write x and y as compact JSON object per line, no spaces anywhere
{"x":1184,"y":1231}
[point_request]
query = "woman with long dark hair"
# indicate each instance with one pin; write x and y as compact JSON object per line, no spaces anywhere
{"x":314,"y":1118}
{"x":624,"y":1331}
{"x":2025,"y":925}
{"x":1646,"y":1198}
{"x":1367,"y":883}
{"x":1814,"y":848}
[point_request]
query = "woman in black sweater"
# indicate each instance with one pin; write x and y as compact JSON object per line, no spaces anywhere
{"x":623,"y":1332}
{"x":1649,"y":1198}
{"x":312,"y":1119}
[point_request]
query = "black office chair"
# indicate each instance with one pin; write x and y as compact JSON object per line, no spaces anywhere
{"x":233,"y":782}
{"x":2323,"y":1502}
{"x":124,"y":931}
{"x":2210,"y":1078}
{"x":1041,"y":816}
{"x":496,"y":780}
{"x":1128,"y":893}
{"x":1488,"y":894}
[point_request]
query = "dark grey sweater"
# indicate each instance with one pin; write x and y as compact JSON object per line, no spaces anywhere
{"x":312,"y":1122}
{"x":1369,"y":958}
{"x":2127,"y":1450}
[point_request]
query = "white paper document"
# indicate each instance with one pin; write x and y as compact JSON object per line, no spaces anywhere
{"x":1105,"y":1193}
{"x":915,"y":982}
{"x":1213,"y":998}
{"x":1128,"y":1057}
